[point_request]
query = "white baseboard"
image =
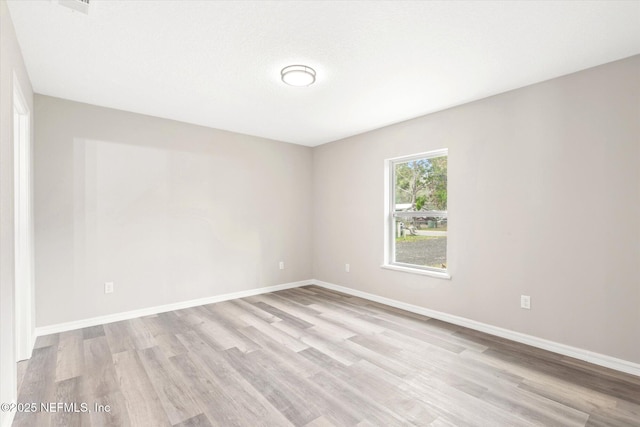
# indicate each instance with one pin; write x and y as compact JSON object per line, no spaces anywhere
{"x":116,"y":317}
{"x":563,"y":349}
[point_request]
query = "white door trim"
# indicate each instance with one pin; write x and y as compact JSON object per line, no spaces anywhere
{"x":23,"y":225}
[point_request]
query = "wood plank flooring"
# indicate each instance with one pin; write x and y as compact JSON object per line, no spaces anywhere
{"x":313,"y":357}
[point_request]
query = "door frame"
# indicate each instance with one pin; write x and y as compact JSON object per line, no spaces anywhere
{"x":24,"y":327}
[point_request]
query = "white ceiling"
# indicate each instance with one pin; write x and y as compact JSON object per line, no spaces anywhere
{"x":218,"y":64}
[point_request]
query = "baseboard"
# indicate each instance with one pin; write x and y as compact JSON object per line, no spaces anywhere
{"x":116,"y":317}
{"x":563,"y":349}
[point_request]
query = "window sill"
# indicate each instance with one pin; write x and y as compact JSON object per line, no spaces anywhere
{"x":437,"y":274}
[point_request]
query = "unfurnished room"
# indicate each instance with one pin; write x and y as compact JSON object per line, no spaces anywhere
{"x":319,"y":213}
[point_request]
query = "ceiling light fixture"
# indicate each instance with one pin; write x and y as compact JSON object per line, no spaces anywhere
{"x":298,"y":75}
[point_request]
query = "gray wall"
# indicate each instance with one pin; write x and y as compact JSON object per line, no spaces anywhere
{"x":12,"y":62}
{"x":167,"y":211}
{"x":544,"y":200}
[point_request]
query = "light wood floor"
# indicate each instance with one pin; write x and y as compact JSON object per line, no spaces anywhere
{"x":313,"y":357}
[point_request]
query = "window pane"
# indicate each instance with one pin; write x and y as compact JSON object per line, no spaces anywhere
{"x":421,"y":185}
{"x":421,"y":242}
{"x":420,"y":202}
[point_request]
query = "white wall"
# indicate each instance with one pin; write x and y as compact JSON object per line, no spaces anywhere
{"x":544,"y":200}
{"x":167,"y":211}
{"x":12,"y":62}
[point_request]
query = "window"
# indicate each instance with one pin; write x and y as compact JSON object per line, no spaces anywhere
{"x":416,"y":216}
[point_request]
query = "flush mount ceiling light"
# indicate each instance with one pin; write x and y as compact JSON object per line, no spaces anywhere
{"x":298,"y":75}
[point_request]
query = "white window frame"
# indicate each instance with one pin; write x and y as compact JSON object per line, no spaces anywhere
{"x":390,"y":215}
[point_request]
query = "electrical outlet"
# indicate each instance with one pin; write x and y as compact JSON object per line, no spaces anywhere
{"x":525,"y":302}
{"x":347,"y":267}
{"x":281,"y":265}
{"x":108,"y":287}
